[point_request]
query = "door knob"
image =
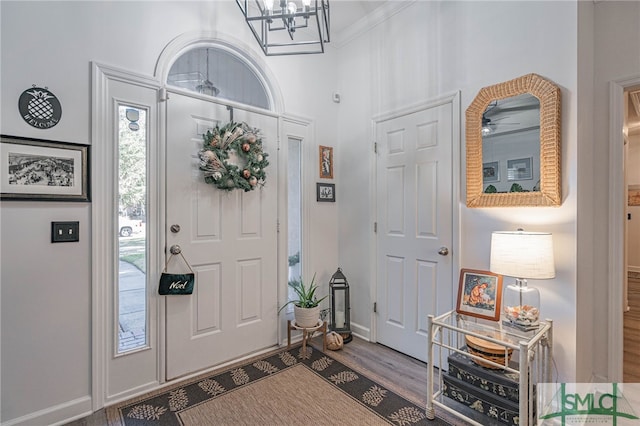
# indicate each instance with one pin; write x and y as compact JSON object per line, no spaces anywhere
{"x":175,"y":228}
{"x":175,"y":249}
{"x":443,"y":251}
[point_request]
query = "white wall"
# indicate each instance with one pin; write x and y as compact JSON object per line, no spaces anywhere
{"x":430,"y":49}
{"x":585,"y":302}
{"x":616,"y":56}
{"x":46,"y":288}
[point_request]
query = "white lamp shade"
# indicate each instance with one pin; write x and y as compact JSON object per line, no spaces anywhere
{"x":520,"y":254}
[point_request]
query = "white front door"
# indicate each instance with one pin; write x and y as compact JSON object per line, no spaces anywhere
{"x":230,"y":240}
{"x":414,"y":210}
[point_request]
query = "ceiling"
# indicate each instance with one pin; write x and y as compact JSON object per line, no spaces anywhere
{"x":346,"y":12}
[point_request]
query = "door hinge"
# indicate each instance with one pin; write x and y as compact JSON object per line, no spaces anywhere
{"x":278,"y":226}
{"x":375,"y":227}
{"x":375,"y":147}
{"x":375,"y":307}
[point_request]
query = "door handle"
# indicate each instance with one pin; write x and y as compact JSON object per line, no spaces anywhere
{"x":443,"y":251}
{"x":175,"y":249}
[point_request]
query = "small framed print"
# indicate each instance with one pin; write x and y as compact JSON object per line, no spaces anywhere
{"x":479,"y":294}
{"x":520,"y":169}
{"x":325,"y":157}
{"x":40,"y":170}
{"x":490,"y":172}
{"x":325,"y":192}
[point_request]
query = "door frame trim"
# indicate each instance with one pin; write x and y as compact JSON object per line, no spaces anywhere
{"x":617,"y":204}
{"x":101,"y":245}
{"x":301,"y":128}
{"x":454,"y":99}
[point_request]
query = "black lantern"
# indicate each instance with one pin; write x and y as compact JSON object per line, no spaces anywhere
{"x":340,"y":307}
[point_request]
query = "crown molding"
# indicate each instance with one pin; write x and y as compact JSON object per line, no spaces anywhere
{"x":369,"y":21}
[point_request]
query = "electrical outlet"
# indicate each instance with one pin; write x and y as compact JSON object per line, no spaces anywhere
{"x":65,"y":232}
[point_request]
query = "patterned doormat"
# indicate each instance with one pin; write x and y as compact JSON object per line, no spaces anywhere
{"x":288,"y":387}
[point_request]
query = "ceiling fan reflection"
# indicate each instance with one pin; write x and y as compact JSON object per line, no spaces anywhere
{"x":489,"y":125}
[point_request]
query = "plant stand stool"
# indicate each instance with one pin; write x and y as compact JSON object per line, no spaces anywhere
{"x":307,"y":333}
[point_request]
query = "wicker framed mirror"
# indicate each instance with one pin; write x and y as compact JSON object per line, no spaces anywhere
{"x":517,"y":166}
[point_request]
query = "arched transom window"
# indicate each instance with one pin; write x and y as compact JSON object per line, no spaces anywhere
{"x":218,"y":72}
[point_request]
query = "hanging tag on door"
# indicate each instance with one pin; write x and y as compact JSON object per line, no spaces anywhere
{"x":176,"y":284}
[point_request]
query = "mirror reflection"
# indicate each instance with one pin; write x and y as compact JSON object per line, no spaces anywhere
{"x":516,"y":160}
{"x":511,"y":145}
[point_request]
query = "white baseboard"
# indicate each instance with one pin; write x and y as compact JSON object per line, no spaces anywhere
{"x":131,"y":393}
{"x":361,"y":332}
{"x":56,"y":415}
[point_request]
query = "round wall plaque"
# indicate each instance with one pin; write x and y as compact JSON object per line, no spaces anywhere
{"x":40,"y":108}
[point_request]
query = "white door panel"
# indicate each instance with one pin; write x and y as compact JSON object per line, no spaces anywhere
{"x":414,"y":210}
{"x":229,"y":238}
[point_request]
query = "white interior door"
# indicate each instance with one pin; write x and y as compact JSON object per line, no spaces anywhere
{"x":229,"y":238}
{"x":414,"y":210}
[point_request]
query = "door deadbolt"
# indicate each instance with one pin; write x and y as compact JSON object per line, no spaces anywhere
{"x":175,"y":228}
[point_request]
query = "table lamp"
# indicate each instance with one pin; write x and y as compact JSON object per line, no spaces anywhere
{"x":522,"y":255}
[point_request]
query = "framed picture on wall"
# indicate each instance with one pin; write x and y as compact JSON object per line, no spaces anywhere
{"x":520,"y":169}
{"x":479,"y":294}
{"x":40,"y":170}
{"x":325,"y":158}
{"x":490,"y":172}
{"x":325,"y":192}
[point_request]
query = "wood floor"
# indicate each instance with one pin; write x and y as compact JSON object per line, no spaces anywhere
{"x":403,"y":374}
{"x":631,"y":366}
{"x":411,"y":374}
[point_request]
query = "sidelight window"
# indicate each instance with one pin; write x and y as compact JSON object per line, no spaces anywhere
{"x":131,"y":229}
{"x":294,"y":209}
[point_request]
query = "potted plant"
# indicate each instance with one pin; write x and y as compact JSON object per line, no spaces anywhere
{"x":306,"y":308}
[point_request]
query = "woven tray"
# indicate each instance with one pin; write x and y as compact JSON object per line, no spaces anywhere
{"x":488,"y":350}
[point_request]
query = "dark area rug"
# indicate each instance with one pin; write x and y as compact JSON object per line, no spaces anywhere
{"x":288,"y":387}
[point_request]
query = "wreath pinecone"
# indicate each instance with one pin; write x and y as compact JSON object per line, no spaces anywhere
{"x":243,"y":142}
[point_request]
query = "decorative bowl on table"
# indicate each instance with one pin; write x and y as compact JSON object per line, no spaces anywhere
{"x":488,"y":350}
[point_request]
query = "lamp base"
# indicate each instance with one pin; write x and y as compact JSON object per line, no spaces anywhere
{"x":521,"y":305}
{"x":521,"y":327}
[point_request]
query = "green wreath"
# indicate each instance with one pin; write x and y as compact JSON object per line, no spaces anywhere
{"x":232,"y":157}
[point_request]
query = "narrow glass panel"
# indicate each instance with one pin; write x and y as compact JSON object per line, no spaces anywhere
{"x":131,"y":231}
{"x":294,"y":231}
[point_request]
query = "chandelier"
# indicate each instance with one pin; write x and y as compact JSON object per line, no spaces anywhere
{"x":294,"y":28}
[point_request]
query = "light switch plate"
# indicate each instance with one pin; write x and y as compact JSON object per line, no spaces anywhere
{"x":65,"y":232}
